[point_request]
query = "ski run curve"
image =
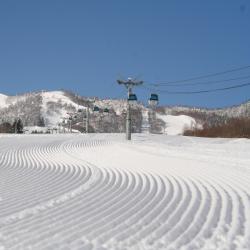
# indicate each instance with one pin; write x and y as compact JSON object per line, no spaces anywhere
{"x":101,"y":192}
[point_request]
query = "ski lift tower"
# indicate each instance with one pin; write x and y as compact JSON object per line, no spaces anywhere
{"x":87,"y":117}
{"x":129,"y":84}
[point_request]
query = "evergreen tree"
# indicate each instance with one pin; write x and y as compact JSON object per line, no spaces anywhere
{"x":41,"y":122}
{"x":17,"y":126}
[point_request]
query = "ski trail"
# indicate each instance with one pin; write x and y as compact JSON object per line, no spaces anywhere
{"x":86,"y":192}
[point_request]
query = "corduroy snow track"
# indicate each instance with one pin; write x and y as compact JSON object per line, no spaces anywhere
{"x":100,"y":192}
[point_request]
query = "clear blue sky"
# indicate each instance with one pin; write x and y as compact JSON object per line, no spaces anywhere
{"x":85,"y":46}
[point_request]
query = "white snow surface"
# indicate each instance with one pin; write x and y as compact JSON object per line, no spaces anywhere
{"x":102,"y":192}
{"x":57,"y":97}
{"x":176,"y":124}
{"x":3,"y":99}
{"x":6,"y":101}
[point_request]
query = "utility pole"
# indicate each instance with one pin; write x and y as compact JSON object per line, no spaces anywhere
{"x":129,"y":84}
{"x":70,"y":125}
{"x":70,"y":119}
{"x":128,"y":122}
{"x":88,"y":115}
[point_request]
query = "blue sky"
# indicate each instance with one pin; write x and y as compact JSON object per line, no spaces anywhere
{"x":85,"y":46}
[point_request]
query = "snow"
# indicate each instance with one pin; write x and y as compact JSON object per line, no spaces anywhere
{"x":145,"y":121}
{"x":6,"y":101}
{"x":233,"y":111}
{"x":3,"y":99}
{"x":57,"y":97}
{"x":175,"y":125}
{"x":54,"y":106}
{"x":99,"y":191}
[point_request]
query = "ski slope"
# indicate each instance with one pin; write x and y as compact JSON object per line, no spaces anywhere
{"x":177,"y":124}
{"x":101,"y":192}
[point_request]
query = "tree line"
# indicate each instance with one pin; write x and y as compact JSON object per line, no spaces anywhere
{"x":229,"y":128}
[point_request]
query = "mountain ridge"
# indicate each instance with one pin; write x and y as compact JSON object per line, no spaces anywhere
{"x":50,"y":108}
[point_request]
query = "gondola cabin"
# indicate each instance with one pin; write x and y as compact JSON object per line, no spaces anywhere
{"x":132,"y":98}
{"x":106,"y":110}
{"x":153,"y":100}
{"x":96,"y":109}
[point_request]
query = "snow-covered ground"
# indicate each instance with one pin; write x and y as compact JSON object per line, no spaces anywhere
{"x":101,"y":192}
{"x":57,"y":97}
{"x":3,"y":99}
{"x":145,"y":121}
{"x":6,"y":101}
{"x":177,"y":124}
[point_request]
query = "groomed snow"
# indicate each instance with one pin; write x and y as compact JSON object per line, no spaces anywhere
{"x":176,"y":124}
{"x":101,"y":192}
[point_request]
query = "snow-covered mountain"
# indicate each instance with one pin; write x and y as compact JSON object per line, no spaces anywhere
{"x":242,"y":110}
{"x":50,"y":108}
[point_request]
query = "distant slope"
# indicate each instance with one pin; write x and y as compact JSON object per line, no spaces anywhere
{"x":55,"y":105}
{"x":175,"y":125}
{"x":242,"y":110}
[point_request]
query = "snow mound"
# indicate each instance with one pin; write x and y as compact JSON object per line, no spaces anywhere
{"x":175,"y":125}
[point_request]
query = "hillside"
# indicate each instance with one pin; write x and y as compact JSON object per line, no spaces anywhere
{"x":238,"y":111}
{"x":51,"y":108}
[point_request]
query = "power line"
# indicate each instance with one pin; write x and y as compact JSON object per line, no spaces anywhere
{"x":201,"y":83}
{"x":200,"y":91}
{"x":206,"y":76}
